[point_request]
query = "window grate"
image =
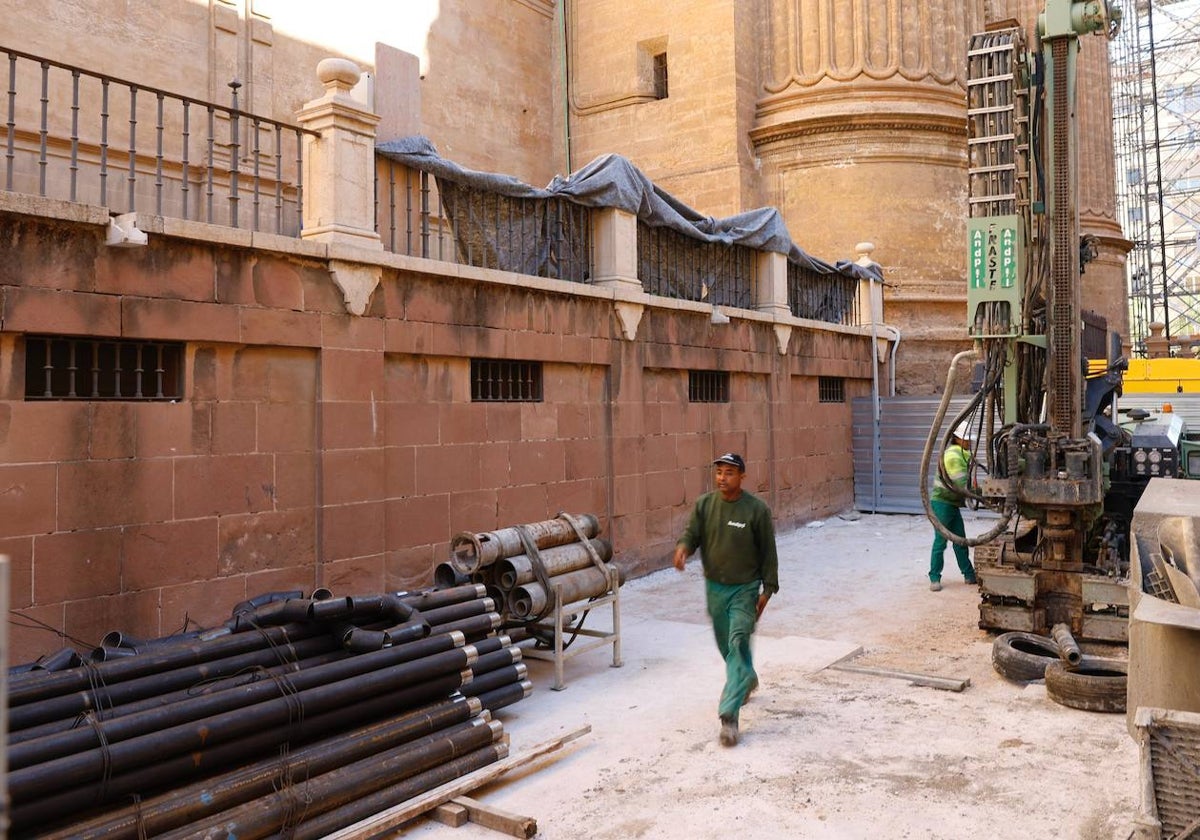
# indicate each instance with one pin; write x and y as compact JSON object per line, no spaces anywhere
{"x":831,"y":389}
{"x":72,"y":368}
{"x":660,"y":76}
{"x":708,"y":386}
{"x":501,"y":380}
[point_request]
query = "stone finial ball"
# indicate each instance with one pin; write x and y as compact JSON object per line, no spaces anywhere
{"x":864,"y":247}
{"x":340,"y":71}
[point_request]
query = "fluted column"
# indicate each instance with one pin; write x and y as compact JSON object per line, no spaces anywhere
{"x":860,"y":126}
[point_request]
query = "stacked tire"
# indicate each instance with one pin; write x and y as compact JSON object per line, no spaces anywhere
{"x":1096,"y":684}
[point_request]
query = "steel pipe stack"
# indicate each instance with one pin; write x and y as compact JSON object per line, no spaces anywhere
{"x":520,"y":566}
{"x":295,"y":709}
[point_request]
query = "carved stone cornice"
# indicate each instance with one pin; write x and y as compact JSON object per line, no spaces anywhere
{"x":884,"y":127}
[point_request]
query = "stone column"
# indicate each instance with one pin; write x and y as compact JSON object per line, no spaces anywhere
{"x":861,"y":124}
{"x":339,"y":165}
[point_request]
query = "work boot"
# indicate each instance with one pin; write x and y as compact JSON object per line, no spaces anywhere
{"x":729,"y":732}
{"x":972,"y":580}
{"x":935,"y":586}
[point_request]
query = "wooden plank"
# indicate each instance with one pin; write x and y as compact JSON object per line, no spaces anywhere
{"x":944,"y":683}
{"x":405,"y":811}
{"x":497,"y":819}
{"x":451,"y":814}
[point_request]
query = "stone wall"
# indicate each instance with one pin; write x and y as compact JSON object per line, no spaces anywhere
{"x":314,"y":447}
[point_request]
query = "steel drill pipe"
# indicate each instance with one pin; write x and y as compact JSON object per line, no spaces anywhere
{"x":176,"y":656}
{"x":104,"y":654}
{"x":532,"y":601}
{"x":183,"y":806}
{"x":94,"y":766}
{"x":60,"y":660}
{"x":496,"y":659}
{"x":105,"y":696}
{"x":514,"y":571}
{"x":446,"y":576}
{"x":471,"y":552}
{"x":433,"y":598}
{"x":41,"y":750}
{"x":473,"y":628}
{"x":261,"y":817}
{"x":1067,"y":647}
{"x":251,"y":604}
{"x":204,"y":688}
{"x":506,"y":695}
{"x":371,"y":804}
{"x":484,"y":682}
{"x":453,"y":612}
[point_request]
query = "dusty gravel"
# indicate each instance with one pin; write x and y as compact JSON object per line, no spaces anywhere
{"x":824,"y":753}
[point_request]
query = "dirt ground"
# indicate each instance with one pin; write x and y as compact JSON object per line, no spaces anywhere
{"x":824,"y":753}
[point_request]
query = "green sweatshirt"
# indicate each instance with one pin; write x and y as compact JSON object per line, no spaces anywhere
{"x":736,"y":540}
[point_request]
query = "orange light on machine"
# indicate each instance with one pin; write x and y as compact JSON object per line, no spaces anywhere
{"x":1167,"y":408}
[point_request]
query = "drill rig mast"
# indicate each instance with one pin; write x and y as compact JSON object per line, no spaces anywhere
{"x":1040,"y":423}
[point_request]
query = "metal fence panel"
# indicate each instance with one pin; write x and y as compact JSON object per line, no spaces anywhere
{"x":891,"y":484}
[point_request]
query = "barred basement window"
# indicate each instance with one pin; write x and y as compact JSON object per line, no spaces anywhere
{"x":73,"y":368}
{"x":831,"y":389}
{"x":708,"y":386}
{"x":500,"y":380}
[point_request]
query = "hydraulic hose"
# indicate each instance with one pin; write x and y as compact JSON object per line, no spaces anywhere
{"x":1010,"y":502}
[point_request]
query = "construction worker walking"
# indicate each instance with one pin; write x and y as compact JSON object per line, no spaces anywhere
{"x":736,"y":537}
{"x":947,"y":502}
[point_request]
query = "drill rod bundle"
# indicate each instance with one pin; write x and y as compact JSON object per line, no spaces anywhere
{"x":289,"y":719}
{"x":522,"y":566}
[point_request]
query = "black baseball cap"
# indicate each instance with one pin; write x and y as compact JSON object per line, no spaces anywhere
{"x":733,"y":459}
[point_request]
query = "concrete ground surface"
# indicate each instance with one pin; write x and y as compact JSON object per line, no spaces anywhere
{"x":824,"y":753}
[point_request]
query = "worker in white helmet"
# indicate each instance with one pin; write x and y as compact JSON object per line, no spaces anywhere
{"x":947,"y":502}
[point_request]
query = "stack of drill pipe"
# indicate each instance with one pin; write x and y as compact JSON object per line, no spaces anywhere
{"x":283,"y":672}
{"x":500,"y":561}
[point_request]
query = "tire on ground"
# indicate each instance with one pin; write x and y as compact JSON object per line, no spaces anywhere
{"x":1022,"y":657}
{"x":1096,"y":684}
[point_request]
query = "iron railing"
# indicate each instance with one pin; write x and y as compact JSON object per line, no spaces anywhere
{"x":675,"y":265}
{"x":832,"y":298}
{"x":81,"y":136}
{"x":422,"y":216}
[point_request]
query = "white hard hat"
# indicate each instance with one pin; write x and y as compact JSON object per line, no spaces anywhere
{"x":963,"y":431}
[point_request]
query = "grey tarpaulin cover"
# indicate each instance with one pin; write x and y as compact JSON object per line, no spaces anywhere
{"x":613,"y":181}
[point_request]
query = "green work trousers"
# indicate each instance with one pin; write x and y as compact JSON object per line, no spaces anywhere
{"x":733,"y":609}
{"x":950,"y":516}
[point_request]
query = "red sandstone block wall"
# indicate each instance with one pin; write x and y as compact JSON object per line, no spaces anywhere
{"x":314,"y":448}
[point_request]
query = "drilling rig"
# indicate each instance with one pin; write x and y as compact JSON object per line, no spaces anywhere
{"x":1050,"y":456}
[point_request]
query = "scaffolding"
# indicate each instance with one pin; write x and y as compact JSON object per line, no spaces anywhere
{"x":1156,"y":115}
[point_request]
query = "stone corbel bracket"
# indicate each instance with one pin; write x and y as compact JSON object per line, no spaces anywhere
{"x":783,"y":337}
{"x":630,"y":316}
{"x":357,"y":282}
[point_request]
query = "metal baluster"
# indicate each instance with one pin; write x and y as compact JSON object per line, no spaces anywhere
{"x":95,"y":369}
{"x":116,"y":370}
{"x":187,"y":136}
{"x":424,"y":191}
{"x":158,"y":157}
{"x":408,"y":210}
{"x":211,"y":151}
{"x":234,"y":154}
{"x":299,"y":183}
{"x":43,"y":131}
{"x":159,"y":371}
{"x":132,"y":147}
{"x":74,"y":133}
{"x":104,"y":142}
{"x":278,"y":179}
{"x":48,"y":367}
{"x":257,"y":174}
{"x":12,"y":121}
{"x":71,"y":368}
{"x":137,"y":371}
{"x":391,"y":165}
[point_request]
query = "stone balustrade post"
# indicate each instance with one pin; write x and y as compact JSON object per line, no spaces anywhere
{"x":614,"y":248}
{"x":1157,"y":344}
{"x":339,"y":165}
{"x":870,"y":290}
{"x":771,"y":287}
